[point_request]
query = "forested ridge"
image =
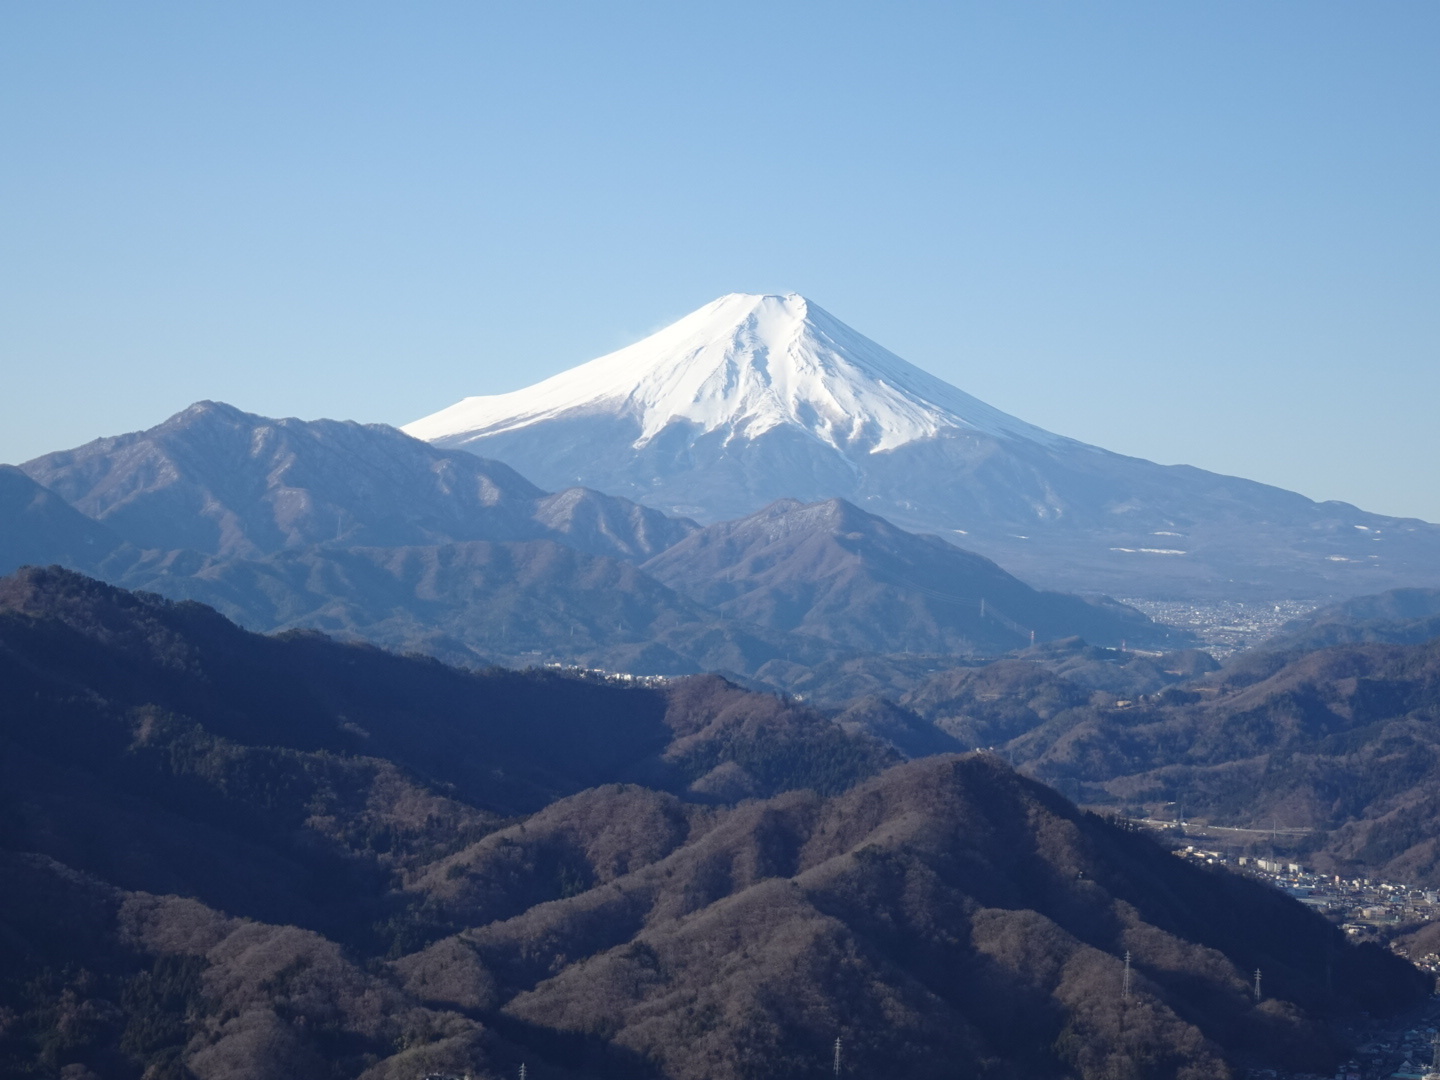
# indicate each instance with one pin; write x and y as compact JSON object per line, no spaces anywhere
{"x":229,"y":855}
{"x":1340,"y":742}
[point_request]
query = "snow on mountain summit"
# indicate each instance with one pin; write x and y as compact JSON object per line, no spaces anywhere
{"x":744,"y":365}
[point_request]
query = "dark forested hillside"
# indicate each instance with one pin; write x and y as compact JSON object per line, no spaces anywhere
{"x":230,"y":856}
{"x":168,"y":707}
{"x":945,"y":915}
{"x":1397,"y":617}
{"x":1342,"y":742}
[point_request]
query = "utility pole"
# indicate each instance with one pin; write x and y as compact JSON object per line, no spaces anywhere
{"x":1125,"y":983}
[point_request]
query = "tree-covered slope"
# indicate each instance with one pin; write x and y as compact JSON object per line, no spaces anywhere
{"x":229,"y":855}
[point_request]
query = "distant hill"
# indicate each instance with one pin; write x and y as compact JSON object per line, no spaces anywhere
{"x":364,"y":532}
{"x":230,"y":856}
{"x":223,"y":482}
{"x":40,"y":527}
{"x":1342,"y":741}
{"x":517,"y":603}
{"x":832,"y":571}
{"x":1398,"y":617}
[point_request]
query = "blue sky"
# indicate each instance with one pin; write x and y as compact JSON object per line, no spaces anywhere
{"x":1201,"y":233}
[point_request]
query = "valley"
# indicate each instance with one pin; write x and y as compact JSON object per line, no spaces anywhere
{"x":1225,"y":627}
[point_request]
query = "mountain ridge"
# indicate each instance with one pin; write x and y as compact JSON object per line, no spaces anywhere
{"x":221,"y":481}
{"x":364,"y":531}
{"x":722,"y":413}
{"x":835,"y":572}
{"x":599,"y":878}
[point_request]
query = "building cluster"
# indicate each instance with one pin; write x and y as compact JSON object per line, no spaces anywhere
{"x":1365,"y":908}
{"x":1397,"y":1056}
{"x":1224,"y":626}
{"x":604,"y":675}
{"x":1351,"y":1070}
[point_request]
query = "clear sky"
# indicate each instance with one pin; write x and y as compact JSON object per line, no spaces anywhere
{"x":1202,"y":233}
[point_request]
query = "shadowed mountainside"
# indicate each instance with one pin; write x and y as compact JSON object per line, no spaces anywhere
{"x":832,"y":571}
{"x":235,"y":856}
{"x":39,"y":527}
{"x":1343,"y":742}
{"x":519,"y":603}
{"x":1397,"y":617}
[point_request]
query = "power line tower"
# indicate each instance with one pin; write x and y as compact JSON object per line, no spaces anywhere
{"x":837,"y":1057}
{"x":1125,"y":982}
{"x":1257,"y":984}
{"x":522,"y":1071}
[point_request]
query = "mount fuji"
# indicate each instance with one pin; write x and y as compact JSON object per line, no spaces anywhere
{"x":753,"y":398}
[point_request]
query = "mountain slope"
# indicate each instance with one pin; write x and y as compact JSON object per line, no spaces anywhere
{"x":219,"y":481}
{"x":751,"y":364}
{"x":170,"y":784}
{"x":469,"y":888}
{"x":834,"y":572}
{"x":1398,"y":617}
{"x":1341,"y":744}
{"x":37,"y":526}
{"x":757,"y":398}
{"x":367,"y":533}
{"x":518,"y":603}
{"x":944,"y":914}
{"x":202,"y":714}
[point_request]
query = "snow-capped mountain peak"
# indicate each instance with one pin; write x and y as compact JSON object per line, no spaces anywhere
{"x":743,"y":365}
